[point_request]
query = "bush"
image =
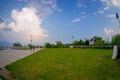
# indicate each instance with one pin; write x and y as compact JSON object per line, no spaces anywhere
{"x":116,"y":39}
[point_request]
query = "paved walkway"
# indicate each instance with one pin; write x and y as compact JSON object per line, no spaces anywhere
{"x":9,"y":56}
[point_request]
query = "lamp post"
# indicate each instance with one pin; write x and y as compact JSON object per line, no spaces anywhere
{"x":117,"y":17}
{"x":116,"y":49}
{"x":31,"y":39}
{"x":73,"y":38}
{"x":30,"y":42}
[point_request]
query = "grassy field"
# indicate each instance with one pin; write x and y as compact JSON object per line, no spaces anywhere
{"x":2,"y":78}
{"x":67,"y":64}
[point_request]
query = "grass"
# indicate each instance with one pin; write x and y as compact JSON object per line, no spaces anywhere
{"x":2,"y":78}
{"x":67,"y":64}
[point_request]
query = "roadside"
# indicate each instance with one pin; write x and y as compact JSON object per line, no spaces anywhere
{"x":10,"y":56}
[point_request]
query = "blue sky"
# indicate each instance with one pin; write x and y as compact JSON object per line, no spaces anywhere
{"x":53,"y":20}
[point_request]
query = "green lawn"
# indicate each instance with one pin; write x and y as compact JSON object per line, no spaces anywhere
{"x":2,"y":78}
{"x":67,"y":64}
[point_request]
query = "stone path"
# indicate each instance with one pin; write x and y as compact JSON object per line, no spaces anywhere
{"x":6,"y":74}
{"x":10,"y":56}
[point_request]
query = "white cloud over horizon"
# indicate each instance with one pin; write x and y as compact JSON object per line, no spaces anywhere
{"x":27,"y":19}
{"x":27,"y":22}
{"x":115,"y":3}
{"x":2,"y":25}
{"x":109,"y":33}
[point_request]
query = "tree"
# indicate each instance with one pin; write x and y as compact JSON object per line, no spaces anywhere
{"x":75,"y":43}
{"x":86,"y":42}
{"x":107,"y":43}
{"x":98,"y":40}
{"x":59,"y":44}
{"x":17,"y":44}
{"x":78,"y":43}
{"x":81,"y":42}
{"x":29,"y":45}
{"x":66,"y":45}
{"x":47,"y":45}
{"x":116,"y":39}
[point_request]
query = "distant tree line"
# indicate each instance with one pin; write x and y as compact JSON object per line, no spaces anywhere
{"x":98,"y":41}
{"x":58,"y":44}
{"x":17,"y":44}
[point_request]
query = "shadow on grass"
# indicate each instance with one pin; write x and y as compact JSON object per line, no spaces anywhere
{"x":2,"y":78}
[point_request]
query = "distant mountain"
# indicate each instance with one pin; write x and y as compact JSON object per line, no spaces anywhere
{"x":5,"y":43}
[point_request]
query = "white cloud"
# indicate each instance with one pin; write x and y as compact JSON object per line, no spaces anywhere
{"x":50,"y":3}
{"x":106,"y":6}
{"x":111,"y":16}
{"x":106,"y":2}
{"x":109,"y":33}
{"x":80,"y":18}
{"x":26,"y":23}
{"x":114,"y":20}
{"x":76,"y":20}
{"x":110,"y":3}
{"x":116,"y":3}
{"x":81,"y":4}
{"x":101,"y":11}
{"x":83,"y":17}
{"x":44,"y":7}
{"x":2,"y":25}
{"x":45,"y":12}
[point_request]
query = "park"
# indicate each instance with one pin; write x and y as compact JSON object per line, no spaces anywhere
{"x":59,"y":40}
{"x":79,"y":60}
{"x":66,"y":64}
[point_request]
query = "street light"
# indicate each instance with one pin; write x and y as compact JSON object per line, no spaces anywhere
{"x":117,"y":17}
{"x":31,"y":39}
{"x":73,"y":38}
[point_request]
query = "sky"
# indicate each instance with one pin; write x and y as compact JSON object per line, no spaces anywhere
{"x":53,"y":20}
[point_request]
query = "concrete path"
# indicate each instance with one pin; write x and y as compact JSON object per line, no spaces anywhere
{"x":9,"y":56}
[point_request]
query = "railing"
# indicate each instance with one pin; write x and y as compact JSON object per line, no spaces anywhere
{"x":11,"y":48}
{"x":6,"y":47}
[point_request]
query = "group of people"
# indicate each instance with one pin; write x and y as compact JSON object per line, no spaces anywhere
{"x":32,"y":47}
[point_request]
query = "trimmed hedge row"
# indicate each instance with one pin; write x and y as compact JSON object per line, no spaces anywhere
{"x":95,"y":47}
